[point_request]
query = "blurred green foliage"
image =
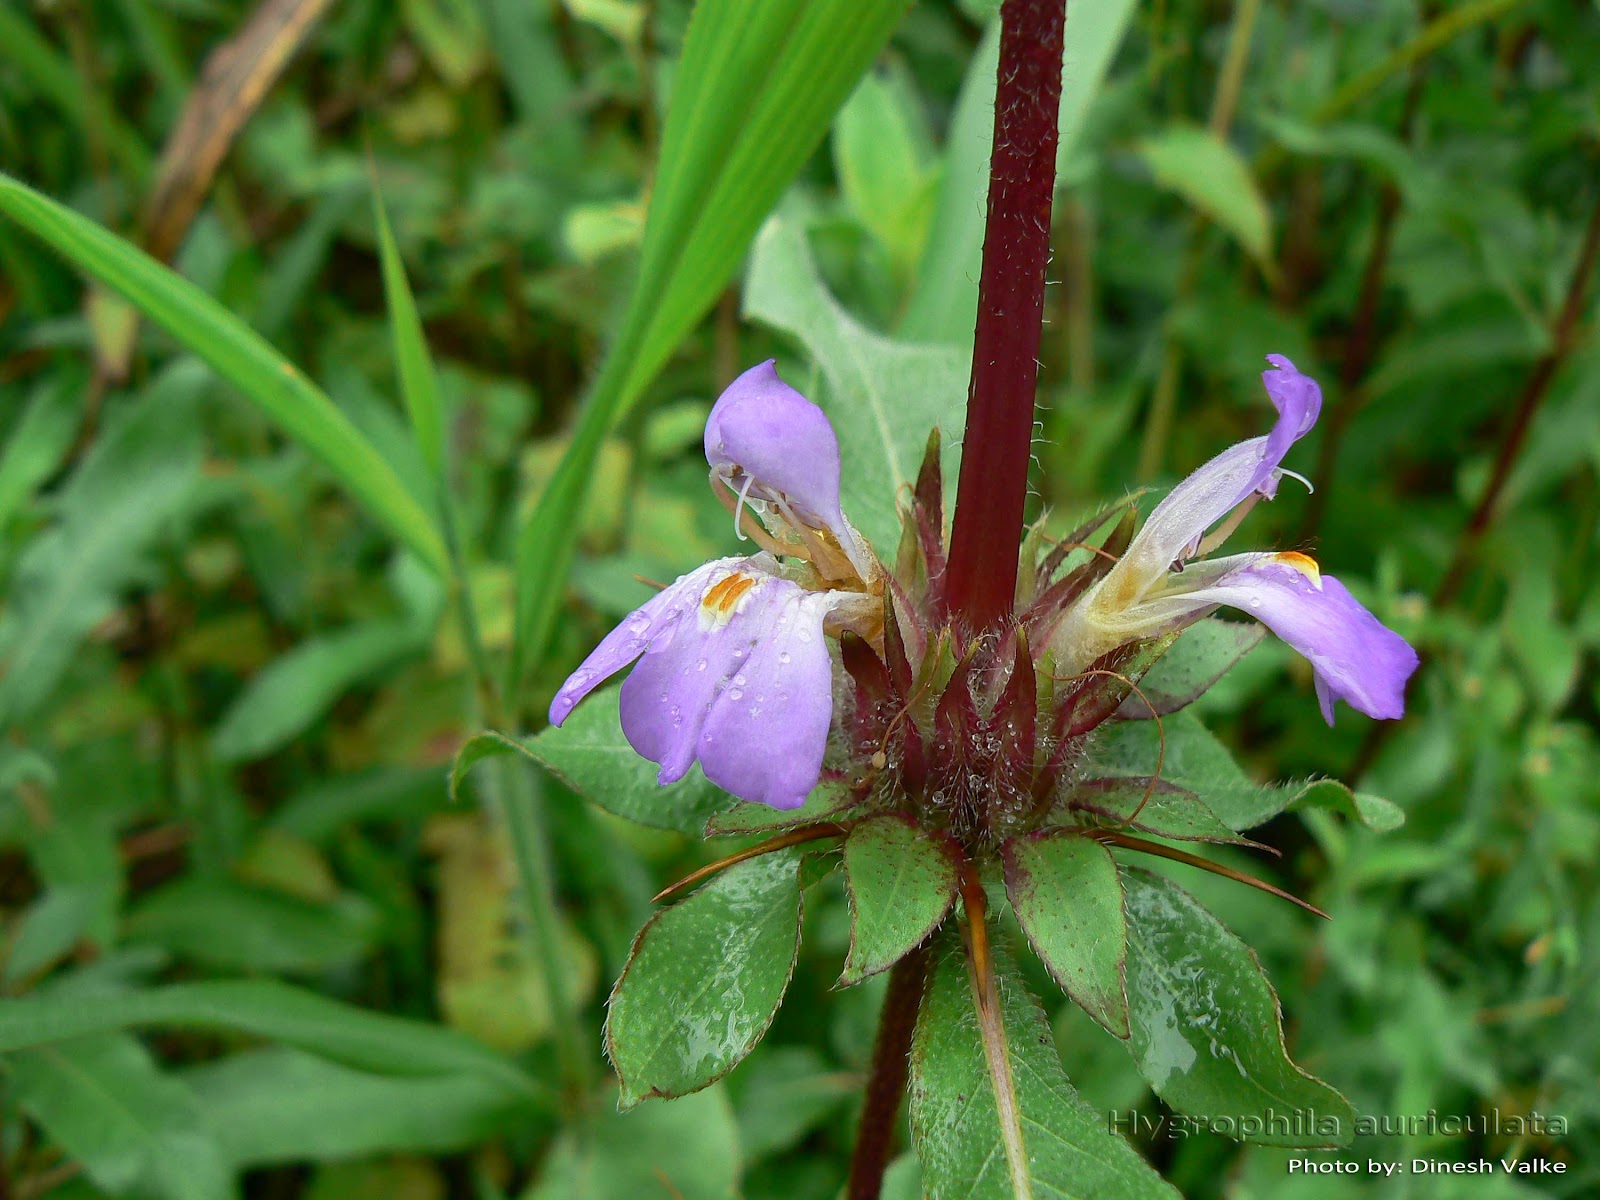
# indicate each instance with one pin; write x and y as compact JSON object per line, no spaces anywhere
{"x":249,"y":943}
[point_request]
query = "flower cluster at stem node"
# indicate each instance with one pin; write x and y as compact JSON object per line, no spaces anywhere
{"x":975,"y":732}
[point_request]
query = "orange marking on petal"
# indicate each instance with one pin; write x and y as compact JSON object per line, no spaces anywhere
{"x":1302,"y":563}
{"x":723,"y":596}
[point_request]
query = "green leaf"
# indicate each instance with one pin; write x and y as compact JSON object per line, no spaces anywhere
{"x":419,"y":385}
{"x":1068,"y":899}
{"x":1094,"y":34}
{"x":704,"y":980}
{"x":1164,"y":810}
{"x":70,"y":578}
{"x":944,"y":304}
{"x":1043,"y":1142}
{"x":329,"y":804}
{"x":622,"y":19}
{"x":280,"y":1106}
{"x":1376,"y":813}
{"x":40,"y":438}
{"x":878,"y":152}
{"x":591,"y":756}
{"x":133,"y":1128}
{"x":293,"y":691}
{"x":1207,"y":1030}
{"x":901,"y":882}
{"x":782,"y":1094}
{"x":827,"y":802}
{"x":231,"y":926}
{"x":1201,"y":655}
{"x":883,"y":395}
{"x":1210,"y":174}
{"x":451,"y":34}
{"x":1196,"y":762}
{"x":752,"y":96}
{"x":49,"y":928}
{"x":236,"y":353}
{"x":262,"y":1008}
{"x":689,"y":1148}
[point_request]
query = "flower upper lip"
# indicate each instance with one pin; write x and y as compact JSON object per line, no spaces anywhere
{"x":774,"y":450}
{"x":1178,"y":524}
{"x":768,"y":442}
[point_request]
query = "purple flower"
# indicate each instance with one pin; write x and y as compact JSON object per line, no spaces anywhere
{"x":1150,"y":590}
{"x":733,"y":671}
{"x":732,"y":667}
{"x":775,"y":452}
{"x":767,"y":442}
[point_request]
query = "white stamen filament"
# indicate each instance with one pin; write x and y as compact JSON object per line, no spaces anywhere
{"x":738,"y":509}
{"x":1295,"y":475}
{"x":1229,"y":523}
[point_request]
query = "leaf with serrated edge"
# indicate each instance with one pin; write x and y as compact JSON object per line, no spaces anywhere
{"x":1068,"y":899}
{"x":901,"y":882}
{"x":704,"y":980}
{"x":1166,"y":811}
{"x":1197,"y":762}
{"x":827,"y":802}
{"x":591,"y":756}
{"x":1207,"y":1030}
{"x":1203,"y":654}
{"x":1066,"y":1151}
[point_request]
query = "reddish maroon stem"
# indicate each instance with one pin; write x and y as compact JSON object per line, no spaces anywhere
{"x":886,"y":1084}
{"x":982,"y":574}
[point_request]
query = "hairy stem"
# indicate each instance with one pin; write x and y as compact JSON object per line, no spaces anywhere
{"x":993,"y":489}
{"x":886,"y":1084}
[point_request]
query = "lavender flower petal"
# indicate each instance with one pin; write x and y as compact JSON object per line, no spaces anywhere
{"x":733,"y":671}
{"x":765,"y":436}
{"x":654,"y":619}
{"x":1356,"y":658}
{"x":1180,"y":521}
{"x":765,"y":735}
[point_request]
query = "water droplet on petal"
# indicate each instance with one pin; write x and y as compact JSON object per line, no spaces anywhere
{"x":701,"y":665}
{"x":735,"y":694}
{"x":785,"y":658}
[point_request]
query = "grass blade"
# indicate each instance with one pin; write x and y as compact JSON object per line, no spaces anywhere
{"x":418,"y":383}
{"x":238,"y":354}
{"x":752,"y":96}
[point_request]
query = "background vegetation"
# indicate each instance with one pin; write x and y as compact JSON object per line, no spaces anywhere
{"x":255,"y":946}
